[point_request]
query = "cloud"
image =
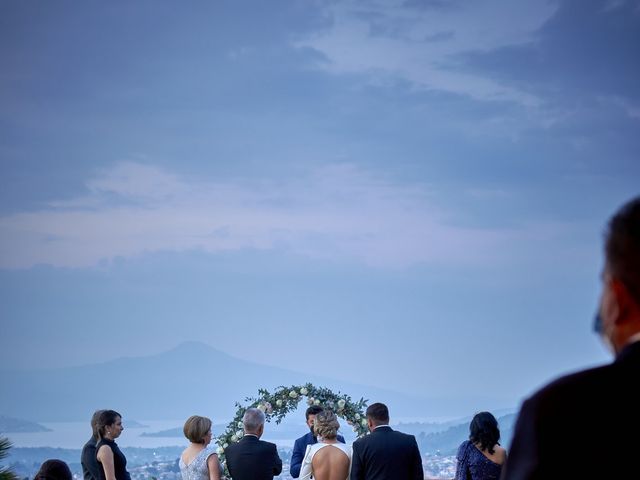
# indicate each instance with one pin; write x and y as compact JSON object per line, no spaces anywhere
{"x":337,"y":212}
{"x":417,"y":42}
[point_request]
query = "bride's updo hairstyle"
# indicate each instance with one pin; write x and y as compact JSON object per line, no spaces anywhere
{"x":326,"y":425}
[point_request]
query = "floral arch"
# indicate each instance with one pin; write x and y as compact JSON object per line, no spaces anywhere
{"x":283,"y":400}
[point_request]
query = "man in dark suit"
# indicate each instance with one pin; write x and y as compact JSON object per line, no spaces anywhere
{"x":88,"y":460}
{"x":385,"y":454}
{"x":585,"y":425}
{"x":252,"y":458}
{"x":300,"y":446}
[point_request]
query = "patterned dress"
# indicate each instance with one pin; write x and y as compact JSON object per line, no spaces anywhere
{"x":473,"y":465}
{"x":198,"y":469}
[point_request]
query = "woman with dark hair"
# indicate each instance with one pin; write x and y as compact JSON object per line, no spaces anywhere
{"x":199,"y":461}
{"x":481,"y":457}
{"x":54,"y":470}
{"x":110,"y":458}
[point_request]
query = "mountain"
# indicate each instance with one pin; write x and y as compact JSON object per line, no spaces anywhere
{"x":193,"y":378}
{"x":447,"y":442}
{"x":18,"y":425}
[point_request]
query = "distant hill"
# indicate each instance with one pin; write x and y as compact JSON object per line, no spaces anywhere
{"x":17,"y":425}
{"x":446,"y":442}
{"x":168,"y":433}
{"x":193,"y":378}
{"x":135,"y":424}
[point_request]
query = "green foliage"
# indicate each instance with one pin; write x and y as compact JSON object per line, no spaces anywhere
{"x":5,"y":473}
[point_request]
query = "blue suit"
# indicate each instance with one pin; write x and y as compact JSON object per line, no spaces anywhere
{"x":299,"y":449}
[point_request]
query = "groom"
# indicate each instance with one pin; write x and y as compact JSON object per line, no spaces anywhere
{"x":300,"y":447}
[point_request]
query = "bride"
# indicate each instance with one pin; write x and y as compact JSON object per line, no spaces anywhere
{"x":328,"y":459}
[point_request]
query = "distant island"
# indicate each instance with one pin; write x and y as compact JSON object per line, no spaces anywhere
{"x":134,"y":424}
{"x":18,"y":425}
{"x":171,"y":432}
{"x":177,"y":432}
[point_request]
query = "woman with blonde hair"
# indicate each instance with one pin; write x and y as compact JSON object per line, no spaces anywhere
{"x":199,"y":461}
{"x":328,"y":459}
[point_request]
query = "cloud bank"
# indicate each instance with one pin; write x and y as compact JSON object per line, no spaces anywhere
{"x":336,"y":212}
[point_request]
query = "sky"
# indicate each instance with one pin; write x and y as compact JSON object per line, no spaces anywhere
{"x":408,"y":194}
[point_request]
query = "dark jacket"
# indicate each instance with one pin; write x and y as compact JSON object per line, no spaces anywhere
{"x":253,"y":459}
{"x":89,"y":462}
{"x":299,"y":449}
{"x":583,"y":425}
{"x":385,"y":454}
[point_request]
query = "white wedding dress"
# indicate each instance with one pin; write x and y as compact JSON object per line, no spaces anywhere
{"x":306,"y":471}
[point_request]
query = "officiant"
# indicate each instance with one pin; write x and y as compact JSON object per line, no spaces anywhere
{"x":309,"y":439}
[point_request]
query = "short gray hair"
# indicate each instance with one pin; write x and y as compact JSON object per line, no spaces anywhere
{"x":252,"y":420}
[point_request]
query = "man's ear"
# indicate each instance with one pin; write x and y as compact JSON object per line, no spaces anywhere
{"x":623,"y":300}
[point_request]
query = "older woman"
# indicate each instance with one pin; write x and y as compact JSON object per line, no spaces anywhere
{"x":328,"y":459}
{"x":199,"y":461}
{"x":110,"y":458}
{"x":481,"y":457}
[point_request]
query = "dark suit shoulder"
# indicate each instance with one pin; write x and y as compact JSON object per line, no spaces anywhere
{"x":566,"y":388}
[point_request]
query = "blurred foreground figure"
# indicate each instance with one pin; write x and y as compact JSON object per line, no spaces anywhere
{"x":54,"y":470}
{"x":586,"y":425}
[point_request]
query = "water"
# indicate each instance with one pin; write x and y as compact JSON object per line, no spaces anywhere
{"x":75,"y":434}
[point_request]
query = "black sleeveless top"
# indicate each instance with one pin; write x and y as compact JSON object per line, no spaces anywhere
{"x":119,"y":461}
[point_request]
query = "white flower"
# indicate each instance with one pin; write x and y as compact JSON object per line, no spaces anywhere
{"x":357,"y":416}
{"x":293,"y":394}
{"x":279,"y":402}
{"x":240,"y":424}
{"x":219,"y":450}
{"x":239,"y":434}
{"x":341,"y":404}
{"x":316,"y":402}
{"x":225,"y":445}
{"x":303,"y":391}
{"x":262,"y":407}
{"x":364,"y":422}
{"x":235,"y":439}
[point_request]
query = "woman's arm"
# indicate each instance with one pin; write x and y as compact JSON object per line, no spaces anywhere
{"x":214,"y":467}
{"x":105,"y":457}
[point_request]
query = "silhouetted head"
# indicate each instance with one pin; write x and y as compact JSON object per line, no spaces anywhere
{"x":377,"y":414}
{"x":198,"y":429}
{"x":618,"y":318}
{"x":54,"y":469}
{"x":484,"y":431}
{"x":326,"y":425}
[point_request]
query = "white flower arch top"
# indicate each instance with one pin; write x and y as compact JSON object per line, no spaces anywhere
{"x":283,"y":400}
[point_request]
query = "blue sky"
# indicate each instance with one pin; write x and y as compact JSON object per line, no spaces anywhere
{"x":408,"y":194}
